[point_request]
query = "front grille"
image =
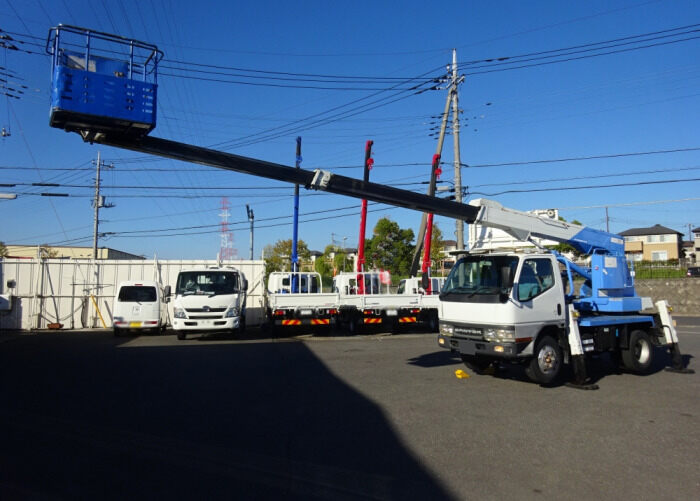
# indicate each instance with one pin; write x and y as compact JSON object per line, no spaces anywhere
{"x":468,"y":332}
{"x":205,"y":317}
{"x":205,"y":310}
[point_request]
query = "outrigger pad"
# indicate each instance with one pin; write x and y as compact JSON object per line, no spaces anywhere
{"x":684,"y":370}
{"x":585,"y":386}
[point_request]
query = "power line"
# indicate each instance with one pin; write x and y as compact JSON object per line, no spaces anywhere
{"x":574,"y":159}
{"x":589,"y":187}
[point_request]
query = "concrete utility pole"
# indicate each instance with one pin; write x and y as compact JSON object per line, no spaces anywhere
{"x":455,"y":131}
{"x":251,"y":219}
{"x":431,"y":189}
{"x":607,"y":221}
{"x":98,"y":203}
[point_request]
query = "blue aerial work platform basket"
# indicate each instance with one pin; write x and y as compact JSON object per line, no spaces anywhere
{"x":102,"y":83}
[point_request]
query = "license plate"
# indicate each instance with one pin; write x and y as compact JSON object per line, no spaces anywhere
{"x":306,"y":313}
{"x":134,"y":324}
{"x":391,"y":313}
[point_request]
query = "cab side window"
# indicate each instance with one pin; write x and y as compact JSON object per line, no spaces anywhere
{"x":536,"y":277}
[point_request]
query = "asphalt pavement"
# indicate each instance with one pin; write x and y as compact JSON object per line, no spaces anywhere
{"x":85,"y":415}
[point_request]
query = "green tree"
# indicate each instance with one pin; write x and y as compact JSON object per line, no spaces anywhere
{"x":278,"y":257}
{"x":436,"y":247}
{"x":390,"y":248}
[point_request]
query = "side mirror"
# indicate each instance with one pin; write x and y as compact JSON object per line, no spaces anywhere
{"x":245,"y":285}
{"x":166,"y":294}
{"x":506,"y":277}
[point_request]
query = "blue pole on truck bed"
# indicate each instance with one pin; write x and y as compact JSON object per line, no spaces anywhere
{"x":295,"y":232}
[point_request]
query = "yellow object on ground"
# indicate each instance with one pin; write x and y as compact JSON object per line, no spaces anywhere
{"x":461,"y":374}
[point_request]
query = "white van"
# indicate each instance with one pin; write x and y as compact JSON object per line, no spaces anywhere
{"x":139,"y":305}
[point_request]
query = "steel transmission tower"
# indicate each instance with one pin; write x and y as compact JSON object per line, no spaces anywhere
{"x":226,"y":251}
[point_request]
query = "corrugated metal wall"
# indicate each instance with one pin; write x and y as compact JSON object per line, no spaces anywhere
{"x":62,"y":290}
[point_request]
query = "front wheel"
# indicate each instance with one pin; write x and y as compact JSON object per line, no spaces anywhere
{"x":640,"y":355}
{"x":181,"y":335}
{"x":476,"y":363}
{"x":545,"y":366}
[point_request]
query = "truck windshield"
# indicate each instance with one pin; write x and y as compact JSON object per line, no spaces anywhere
{"x":207,"y":282}
{"x":480,"y":279}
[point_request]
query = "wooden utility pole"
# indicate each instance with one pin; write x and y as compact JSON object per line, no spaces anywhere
{"x":431,"y":189}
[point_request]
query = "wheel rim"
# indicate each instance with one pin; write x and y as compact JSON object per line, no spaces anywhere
{"x":642,"y":351}
{"x":547,"y":360}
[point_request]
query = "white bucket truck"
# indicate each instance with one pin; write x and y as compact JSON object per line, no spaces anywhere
{"x":208,"y":299}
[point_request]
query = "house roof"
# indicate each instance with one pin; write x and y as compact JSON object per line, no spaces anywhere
{"x":657,"y":229}
{"x":447,"y":243}
{"x":696,"y":230}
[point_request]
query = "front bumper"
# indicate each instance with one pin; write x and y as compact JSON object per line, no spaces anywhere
{"x":193,"y":324}
{"x":479,"y":347}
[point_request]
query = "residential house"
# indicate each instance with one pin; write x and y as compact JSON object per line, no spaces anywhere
{"x":656,"y":243}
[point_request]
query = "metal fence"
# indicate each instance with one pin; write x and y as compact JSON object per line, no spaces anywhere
{"x":76,"y":293}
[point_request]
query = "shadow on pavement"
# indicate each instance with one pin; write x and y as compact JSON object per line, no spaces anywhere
{"x":436,"y":359}
{"x":83,"y":418}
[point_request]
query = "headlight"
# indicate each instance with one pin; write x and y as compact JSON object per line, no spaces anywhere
{"x":179,"y":313}
{"x":231,"y":312}
{"x":446,"y":329}
{"x":500,"y":335}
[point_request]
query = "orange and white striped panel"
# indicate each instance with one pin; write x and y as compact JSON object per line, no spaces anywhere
{"x":408,"y":320}
{"x":291,"y":321}
{"x":373,"y":320}
{"x":320,"y":321}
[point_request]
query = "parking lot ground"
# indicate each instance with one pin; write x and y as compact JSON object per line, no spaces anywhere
{"x":318,"y":416}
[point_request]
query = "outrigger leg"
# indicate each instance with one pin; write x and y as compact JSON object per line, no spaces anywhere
{"x":578,"y":359}
{"x":671,"y":336}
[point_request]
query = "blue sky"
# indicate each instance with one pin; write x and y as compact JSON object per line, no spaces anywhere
{"x":621,"y":106}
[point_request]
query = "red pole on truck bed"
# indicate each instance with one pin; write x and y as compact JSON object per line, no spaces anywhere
{"x":363,"y":221}
{"x":425,"y":268}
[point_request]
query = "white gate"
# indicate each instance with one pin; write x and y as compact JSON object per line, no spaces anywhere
{"x":76,"y":293}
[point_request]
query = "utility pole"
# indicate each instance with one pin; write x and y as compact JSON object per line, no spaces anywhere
{"x":455,"y":131}
{"x":607,"y":221}
{"x":98,"y":203}
{"x":251,"y":218}
{"x":431,"y":188}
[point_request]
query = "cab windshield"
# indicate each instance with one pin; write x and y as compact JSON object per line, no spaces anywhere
{"x":209,"y":283}
{"x":480,"y":279}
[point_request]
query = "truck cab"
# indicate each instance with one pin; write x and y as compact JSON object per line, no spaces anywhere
{"x":499,"y":305}
{"x":209,"y":298}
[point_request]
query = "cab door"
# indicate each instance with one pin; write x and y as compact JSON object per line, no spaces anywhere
{"x":539,"y":296}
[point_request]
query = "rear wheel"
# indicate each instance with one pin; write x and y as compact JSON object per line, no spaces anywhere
{"x":117,"y":332}
{"x":545,"y":366}
{"x":433,"y":323}
{"x":640,"y":355}
{"x":181,"y":335}
{"x":477,"y":363}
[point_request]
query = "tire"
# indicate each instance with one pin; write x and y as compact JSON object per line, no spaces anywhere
{"x":394,"y":326}
{"x":181,"y":335}
{"x":546,"y":365}
{"x":117,"y":332}
{"x":433,"y":323}
{"x":640,"y":355}
{"x":241,"y":325}
{"x":352,"y":326}
{"x":477,"y":363}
